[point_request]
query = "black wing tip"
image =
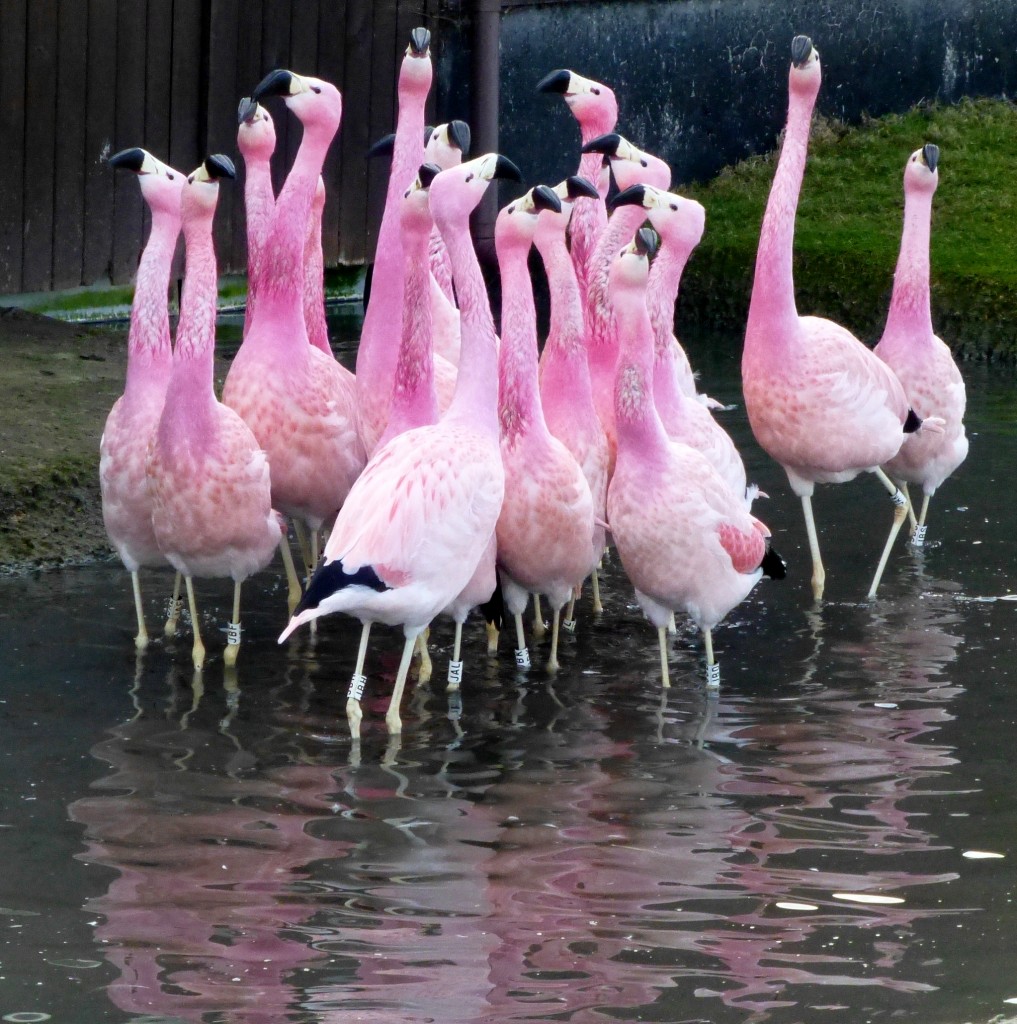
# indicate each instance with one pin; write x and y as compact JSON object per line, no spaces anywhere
{"x":912,"y":423}
{"x":773,"y":565}
{"x":493,"y":609}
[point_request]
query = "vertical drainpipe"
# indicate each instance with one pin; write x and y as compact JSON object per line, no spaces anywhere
{"x":484,"y":113}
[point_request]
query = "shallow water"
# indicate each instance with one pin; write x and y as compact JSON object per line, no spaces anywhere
{"x":181,"y":848}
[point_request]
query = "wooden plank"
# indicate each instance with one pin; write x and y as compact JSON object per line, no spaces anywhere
{"x":100,"y":125}
{"x":331,"y":67}
{"x":188,"y":85}
{"x":12,"y":132}
{"x":69,"y":200}
{"x":40,"y":145}
{"x":386,"y":59}
{"x":128,"y":207}
{"x":159,"y":80}
{"x":250,"y":70}
{"x":275,"y":53}
{"x":354,"y":247}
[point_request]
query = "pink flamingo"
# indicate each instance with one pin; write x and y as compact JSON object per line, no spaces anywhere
{"x":545,"y":530}
{"x":211,"y":494}
{"x":631,"y":166}
{"x":314,"y":280}
{"x":921,"y":361}
{"x":819,"y":402}
{"x":256,"y":142}
{"x":595,"y":108}
{"x":417,"y":521}
{"x":685,"y":539}
{"x":379,"y":337}
{"x":680,"y":223}
{"x":123,"y":448}
{"x":300,"y":403}
{"x":566,"y":394}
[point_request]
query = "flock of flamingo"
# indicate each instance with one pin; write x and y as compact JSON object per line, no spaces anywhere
{"x":458,"y":470}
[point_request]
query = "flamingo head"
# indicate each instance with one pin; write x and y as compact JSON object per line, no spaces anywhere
{"x":517,"y":222}
{"x":255,"y":130}
{"x":456,"y":191}
{"x":415,"y":211}
{"x":592,"y":104}
{"x":553,"y":221}
{"x":806,"y":73}
{"x":161,"y":185}
{"x":202,"y":190}
{"x":678,"y":221}
{"x":630,"y":165}
{"x":448,"y":144}
{"x":416,"y":72}
{"x":921,"y":172}
{"x":313,"y":101}
{"x":631,"y":267}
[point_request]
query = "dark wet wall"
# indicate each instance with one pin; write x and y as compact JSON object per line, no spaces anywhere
{"x":703,"y":83}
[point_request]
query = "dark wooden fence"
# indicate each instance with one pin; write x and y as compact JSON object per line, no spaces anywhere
{"x":82,"y":78}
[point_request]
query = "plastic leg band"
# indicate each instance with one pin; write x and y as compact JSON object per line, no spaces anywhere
{"x":356,"y":690}
{"x":233,"y":634}
{"x":569,"y":625}
{"x":455,"y":672}
{"x":713,"y":675}
{"x":919,"y":538}
{"x":522,"y":657}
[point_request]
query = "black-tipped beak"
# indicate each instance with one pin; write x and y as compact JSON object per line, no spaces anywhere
{"x":632,"y":196}
{"x":603,"y":144}
{"x":576,"y":186}
{"x":773,"y":565}
{"x":930,"y":154}
{"x":545,"y":198}
{"x":128,"y":160}
{"x":556,"y":81}
{"x":383,"y":147}
{"x":246,"y":110}
{"x":218,"y":165}
{"x":427,"y":173}
{"x":459,"y":135}
{"x":801,"y":47}
{"x":275,"y":83}
{"x":647,"y":242}
{"x":420,"y":40}
{"x":504,"y":168}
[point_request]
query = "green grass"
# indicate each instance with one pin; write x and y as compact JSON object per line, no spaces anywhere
{"x":849,"y":223}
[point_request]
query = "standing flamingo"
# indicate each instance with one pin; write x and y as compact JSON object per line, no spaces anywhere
{"x":921,"y":361}
{"x":211,"y":494}
{"x":680,"y":223}
{"x":684,"y":538}
{"x":566,"y":394}
{"x":545,"y":530}
{"x":819,"y":402}
{"x":595,"y":108}
{"x":419,"y":518}
{"x":123,"y":448}
{"x":300,"y":402}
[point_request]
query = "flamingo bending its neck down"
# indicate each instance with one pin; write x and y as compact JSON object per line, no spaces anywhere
{"x":300,"y":403}
{"x":819,"y":402}
{"x":922,"y":362}
{"x":545,"y":530}
{"x":417,"y":521}
{"x":684,"y":538}
{"x":211,"y":494}
{"x":123,"y":448}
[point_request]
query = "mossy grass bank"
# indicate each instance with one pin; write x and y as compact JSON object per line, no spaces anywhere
{"x":849,"y":223}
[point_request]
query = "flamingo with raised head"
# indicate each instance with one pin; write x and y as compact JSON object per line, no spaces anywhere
{"x":685,"y":540}
{"x":211,"y":494}
{"x":417,"y":521}
{"x":546,"y":527}
{"x":819,"y":402}
{"x":300,"y":403}
{"x":922,"y":361}
{"x":123,"y":448}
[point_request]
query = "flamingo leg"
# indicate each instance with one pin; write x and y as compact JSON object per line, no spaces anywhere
{"x":712,"y":668}
{"x":426,"y":667}
{"x":911,"y":508}
{"x":492,"y":639}
{"x":292,"y":580}
{"x":392,"y":719}
{"x":918,"y":538}
{"x":665,"y":675}
{"x":672,"y":626}
{"x":304,"y":544}
{"x":354,"y":714}
{"x":552,"y":661}
{"x":174,"y":609}
{"x":818,"y":572}
{"x":568,"y":622}
{"x":522,"y":654}
{"x":229,"y":656}
{"x":198,"y":650}
{"x":539,"y":626}
{"x":455,"y":666}
{"x":900,"y":513}
{"x":598,"y":608}
{"x":141,"y":640}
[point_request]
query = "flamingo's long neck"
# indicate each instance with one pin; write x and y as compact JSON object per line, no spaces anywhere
{"x":190,"y":399}
{"x":639,"y":430}
{"x":476,"y":393}
{"x":314,"y":275}
{"x":661,"y":295}
{"x":910,"y":309}
{"x":519,"y":409}
{"x":149,"y":344}
{"x":589,"y":217}
{"x":773,"y":314}
{"x":259,"y":202}
{"x":621,"y":227}
{"x":414,"y":401}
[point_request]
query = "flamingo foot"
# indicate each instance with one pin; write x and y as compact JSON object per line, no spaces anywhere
{"x":354,"y":716}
